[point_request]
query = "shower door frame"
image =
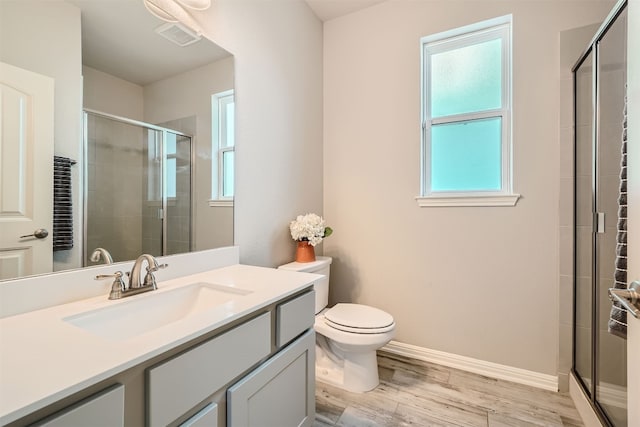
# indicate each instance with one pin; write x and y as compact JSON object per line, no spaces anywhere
{"x":164,"y":131}
{"x":593,"y":48}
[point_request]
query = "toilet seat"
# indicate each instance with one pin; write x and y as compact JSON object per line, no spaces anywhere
{"x":359,"y":319}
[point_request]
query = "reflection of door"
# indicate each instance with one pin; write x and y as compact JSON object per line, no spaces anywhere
{"x":26,"y":171}
{"x":633,"y":225}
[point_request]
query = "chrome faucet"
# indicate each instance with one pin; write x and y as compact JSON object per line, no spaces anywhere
{"x":149,"y":279}
{"x":120,"y":290}
{"x":101,"y":253}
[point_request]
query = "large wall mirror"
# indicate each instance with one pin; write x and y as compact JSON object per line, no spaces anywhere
{"x":141,"y":126}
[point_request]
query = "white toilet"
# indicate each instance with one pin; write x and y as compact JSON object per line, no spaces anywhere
{"x":347,"y":335}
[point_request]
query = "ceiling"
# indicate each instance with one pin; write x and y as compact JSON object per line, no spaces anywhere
{"x":118,"y":35}
{"x":330,"y":9}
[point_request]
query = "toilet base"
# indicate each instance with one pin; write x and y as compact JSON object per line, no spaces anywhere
{"x":355,"y":372}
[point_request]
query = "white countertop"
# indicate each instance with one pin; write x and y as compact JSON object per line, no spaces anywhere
{"x":44,"y":358}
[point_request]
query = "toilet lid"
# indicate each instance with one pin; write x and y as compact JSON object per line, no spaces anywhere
{"x":359,"y":318}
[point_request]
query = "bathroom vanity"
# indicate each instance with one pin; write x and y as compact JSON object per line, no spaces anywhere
{"x":232,"y":346}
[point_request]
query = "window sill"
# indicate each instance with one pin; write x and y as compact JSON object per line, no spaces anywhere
{"x":220,"y":203}
{"x":471,"y":200}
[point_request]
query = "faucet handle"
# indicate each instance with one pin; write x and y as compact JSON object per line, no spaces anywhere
{"x":117,"y":287}
{"x":153,"y":269}
{"x":149,"y":279}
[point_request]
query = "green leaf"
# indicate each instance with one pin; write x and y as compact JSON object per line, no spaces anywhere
{"x":327,"y":231}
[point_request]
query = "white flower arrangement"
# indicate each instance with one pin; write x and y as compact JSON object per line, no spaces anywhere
{"x":309,"y":227}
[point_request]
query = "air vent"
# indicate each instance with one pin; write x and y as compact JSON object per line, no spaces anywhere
{"x":178,"y":34}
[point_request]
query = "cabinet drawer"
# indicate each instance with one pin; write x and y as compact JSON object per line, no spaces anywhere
{"x":103,"y":409}
{"x":295,"y":317}
{"x":176,"y":386}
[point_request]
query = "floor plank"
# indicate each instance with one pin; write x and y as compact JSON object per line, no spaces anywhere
{"x":418,"y":393}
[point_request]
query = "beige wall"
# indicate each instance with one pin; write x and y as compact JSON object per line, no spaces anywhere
{"x":277,"y":46}
{"x":109,"y":94}
{"x":479,"y":282}
{"x":22,"y":33}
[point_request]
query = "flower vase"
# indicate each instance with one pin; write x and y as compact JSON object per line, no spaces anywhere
{"x":305,"y":252}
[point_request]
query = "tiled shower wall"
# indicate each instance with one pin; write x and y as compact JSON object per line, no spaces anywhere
{"x":114,"y":188}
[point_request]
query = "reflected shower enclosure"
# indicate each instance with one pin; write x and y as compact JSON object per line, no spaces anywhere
{"x":138,"y":183}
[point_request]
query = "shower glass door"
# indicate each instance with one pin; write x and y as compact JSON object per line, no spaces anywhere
{"x":599,"y":88}
{"x":611,"y":359}
{"x":138,"y":189}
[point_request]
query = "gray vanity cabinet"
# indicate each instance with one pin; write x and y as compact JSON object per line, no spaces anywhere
{"x":280,"y":392}
{"x":258,"y":371}
{"x":105,"y":409}
{"x":265,"y":365}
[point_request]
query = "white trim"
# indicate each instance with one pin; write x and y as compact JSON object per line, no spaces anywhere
{"x":481,"y":367}
{"x":477,"y":26}
{"x":220,"y":203}
{"x":468,"y":199}
{"x":581,"y":402}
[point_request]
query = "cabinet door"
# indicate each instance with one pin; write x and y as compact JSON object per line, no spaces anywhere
{"x":207,"y":417}
{"x":104,"y":409}
{"x":280,"y":393}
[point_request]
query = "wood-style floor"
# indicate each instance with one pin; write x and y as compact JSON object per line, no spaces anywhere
{"x":416,"y":393}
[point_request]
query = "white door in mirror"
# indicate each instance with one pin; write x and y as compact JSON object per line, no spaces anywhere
{"x":26,"y":196}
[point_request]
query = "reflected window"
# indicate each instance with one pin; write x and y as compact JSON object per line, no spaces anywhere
{"x":154,"y":164}
{"x":223,"y":108}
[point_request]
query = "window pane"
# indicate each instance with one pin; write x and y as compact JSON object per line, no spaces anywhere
{"x":467,"y":79}
{"x":229,"y":127}
{"x":227,"y":178}
{"x":466,"y":156}
{"x":171,"y":177}
{"x":171,"y":144}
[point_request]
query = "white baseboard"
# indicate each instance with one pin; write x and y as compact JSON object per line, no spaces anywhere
{"x":481,"y":367}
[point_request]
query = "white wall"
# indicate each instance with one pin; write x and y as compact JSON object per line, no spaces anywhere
{"x":109,"y":94}
{"x":277,"y":47}
{"x":22,"y":33}
{"x":478,"y":282}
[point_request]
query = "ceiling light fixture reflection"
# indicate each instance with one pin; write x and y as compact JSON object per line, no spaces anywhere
{"x":177,"y":11}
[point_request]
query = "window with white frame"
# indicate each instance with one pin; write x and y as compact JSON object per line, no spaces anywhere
{"x":223,"y":119}
{"x":466,"y":116}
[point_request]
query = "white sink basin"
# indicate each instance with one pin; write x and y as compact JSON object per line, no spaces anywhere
{"x":152,"y":310}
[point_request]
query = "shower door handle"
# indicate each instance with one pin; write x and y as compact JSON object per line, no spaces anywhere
{"x":628,"y":298}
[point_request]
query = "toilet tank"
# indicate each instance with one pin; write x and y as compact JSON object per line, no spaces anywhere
{"x":321,"y":265}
